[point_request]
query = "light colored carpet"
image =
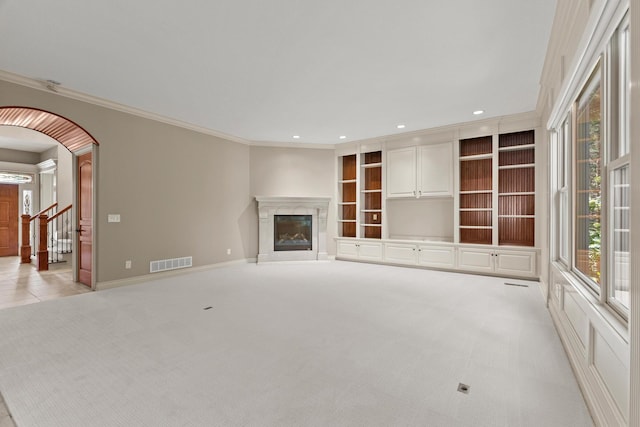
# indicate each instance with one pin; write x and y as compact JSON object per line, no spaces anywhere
{"x":311,"y":344}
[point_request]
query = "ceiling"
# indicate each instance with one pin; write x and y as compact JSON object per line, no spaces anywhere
{"x":269,"y":70}
{"x":18,"y":138}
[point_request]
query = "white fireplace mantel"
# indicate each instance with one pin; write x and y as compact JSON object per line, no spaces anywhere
{"x":268,"y":207}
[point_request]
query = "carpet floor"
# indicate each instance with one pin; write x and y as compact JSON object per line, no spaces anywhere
{"x":299,"y":344}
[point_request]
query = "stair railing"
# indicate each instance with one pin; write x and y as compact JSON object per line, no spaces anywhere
{"x":30,"y":235}
{"x":59,"y":235}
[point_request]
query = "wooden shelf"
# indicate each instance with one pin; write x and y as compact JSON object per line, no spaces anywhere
{"x":371,"y":190}
{"x":348,"y":193}
{"x":517,"y":147}
{"x":515,"y":188}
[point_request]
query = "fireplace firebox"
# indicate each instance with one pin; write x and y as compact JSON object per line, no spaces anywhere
{"x":292,"y":233}
{"x":298,"y":234}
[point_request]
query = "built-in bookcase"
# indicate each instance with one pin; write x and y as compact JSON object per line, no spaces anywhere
{"x":476,"y":190}
{"x":516,"y":188}
{"x":371,"y":195}
{"x":347,"y":186}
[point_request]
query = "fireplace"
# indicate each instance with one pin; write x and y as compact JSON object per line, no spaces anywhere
{"x":292,"y":228}
{"x":292,"y":233}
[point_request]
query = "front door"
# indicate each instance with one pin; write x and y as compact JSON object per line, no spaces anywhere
{"x":8,"y":220}
{"x":85,"y":218}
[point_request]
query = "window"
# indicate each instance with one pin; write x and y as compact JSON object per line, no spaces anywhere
{"x":563,"y":193}
{"x":619,"y":271}
{"x":591,"y":176}
{"x":588,"y":181}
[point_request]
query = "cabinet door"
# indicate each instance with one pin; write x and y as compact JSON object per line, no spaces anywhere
{"x":401,"y":172}
{"x":398,"y":253}
{"x":435,"y":170}
{"x":370,"y":251}
{"x":436,"y":256}
{"x":516,"y":263}
{"x":475,"y":259}
{"x":347,"y":249}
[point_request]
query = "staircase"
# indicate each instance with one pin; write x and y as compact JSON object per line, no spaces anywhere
{"x":47,"y":236}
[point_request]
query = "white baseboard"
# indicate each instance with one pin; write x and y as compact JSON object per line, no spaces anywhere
{"x":110,"y":284}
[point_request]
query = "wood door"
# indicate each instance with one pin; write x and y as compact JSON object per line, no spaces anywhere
{"x":85,"y":218}
{"x":8,"y":220}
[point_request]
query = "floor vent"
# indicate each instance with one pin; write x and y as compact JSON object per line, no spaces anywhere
{"x":522,"y":285}
{"x":463,"y":388}
{"x":170,"y":264}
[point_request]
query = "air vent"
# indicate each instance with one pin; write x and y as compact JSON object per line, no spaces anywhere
{"x":170,"y":264}
{"x":523,"y":285}
{"x":463,"y":388}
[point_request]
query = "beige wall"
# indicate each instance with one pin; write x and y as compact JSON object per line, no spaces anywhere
{"x":299,"y":172}
{"x":17,"y":156}
{"x":64,"y":173}
{"x":178,"y":192}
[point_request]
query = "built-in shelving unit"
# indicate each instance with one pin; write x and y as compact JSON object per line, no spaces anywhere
{"x":514,"y":159}
{"x":371,"y":195}
{"x":347,"y":187}
{"x":476,"y":190}
{"x":516,"y":188}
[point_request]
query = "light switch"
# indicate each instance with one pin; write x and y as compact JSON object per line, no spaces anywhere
{"x":113,"y":218}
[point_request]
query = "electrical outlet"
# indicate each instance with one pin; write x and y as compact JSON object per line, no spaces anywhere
{"x":127,"y":264}
{"x":375,"y":217}
{"x":229,"y":251}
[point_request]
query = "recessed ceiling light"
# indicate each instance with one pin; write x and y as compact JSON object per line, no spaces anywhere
{"x":478,"y":112}
{"x":296,"y":136}
{"x":343,"y":137}
{"x":400,"y":126}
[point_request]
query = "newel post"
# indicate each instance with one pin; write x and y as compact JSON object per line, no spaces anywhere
{"x":43,"y":255}
{"x":25,"y":247}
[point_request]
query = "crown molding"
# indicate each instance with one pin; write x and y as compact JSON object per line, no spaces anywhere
{"x":307,"y":145}
{"x":101,"y":102}
{"x":489,"y":125}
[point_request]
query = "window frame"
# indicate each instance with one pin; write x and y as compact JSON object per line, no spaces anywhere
{"x":598,"y":70}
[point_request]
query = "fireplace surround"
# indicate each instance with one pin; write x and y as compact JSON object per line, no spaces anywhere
{"x":292,"y":228}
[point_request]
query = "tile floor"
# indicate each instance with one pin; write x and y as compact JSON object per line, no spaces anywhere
{"x":22,"y":284}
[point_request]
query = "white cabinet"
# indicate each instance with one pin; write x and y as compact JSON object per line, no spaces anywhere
{"x":401,"y":172}
{"x":400,"y":253}
{"x":435,"y":170}
{"x":500,"y":261}
{"x":423,"y":171}
{"x":364,"y":250}
{"x":472,"y":259}
{"x":436,"y":256}
{"x":516,"y":263}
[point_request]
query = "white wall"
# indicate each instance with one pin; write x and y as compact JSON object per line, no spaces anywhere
{"x":596,"y":340}
{"x":302,"y":172}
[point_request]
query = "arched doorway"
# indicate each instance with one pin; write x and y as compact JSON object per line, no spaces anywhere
{"x":81,"y":145}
